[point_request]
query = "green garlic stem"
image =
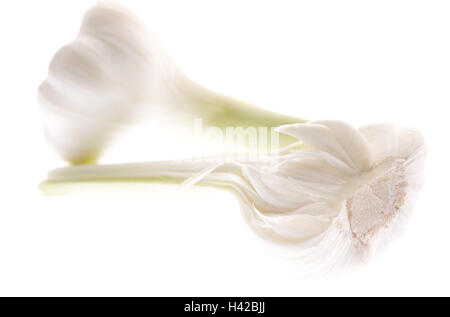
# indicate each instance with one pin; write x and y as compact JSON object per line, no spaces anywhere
{"x":70,"y":179}
{"x":221,"y":111}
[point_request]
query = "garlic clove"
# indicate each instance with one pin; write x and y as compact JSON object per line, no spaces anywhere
{"x":382,"y":139}
{"x":352,"y":141}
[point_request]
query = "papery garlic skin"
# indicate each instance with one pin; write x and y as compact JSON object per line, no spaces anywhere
{"x":115,"y":73}
{"x":331,"y":201}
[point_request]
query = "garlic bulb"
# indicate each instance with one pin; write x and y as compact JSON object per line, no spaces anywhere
{"x":334,"y":199}
{"x":116,"y":72}
{"x":96,"y":81}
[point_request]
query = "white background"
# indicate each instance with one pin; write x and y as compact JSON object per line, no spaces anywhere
{"x":358,"y":61}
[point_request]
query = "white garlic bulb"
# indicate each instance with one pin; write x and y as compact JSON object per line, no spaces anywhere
{"x":96,"y":82}
{"x":114,"y":73}
{"x":334,"y":199}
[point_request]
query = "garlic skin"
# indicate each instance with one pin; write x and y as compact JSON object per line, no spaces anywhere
{"x":332,"y":201}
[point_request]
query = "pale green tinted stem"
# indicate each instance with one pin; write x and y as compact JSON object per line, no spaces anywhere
{"x":221,"y":111}
{"x":79,"y":178}
{"x":67,"y":187}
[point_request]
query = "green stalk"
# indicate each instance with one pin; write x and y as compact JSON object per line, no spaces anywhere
{"x":84,"y":178}
{"x":221,"y":111}
{"x":68,"y":187}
